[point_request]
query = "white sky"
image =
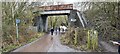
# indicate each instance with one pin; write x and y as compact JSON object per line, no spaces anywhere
{"x":66,"y":1}
{"x":72,"y":1}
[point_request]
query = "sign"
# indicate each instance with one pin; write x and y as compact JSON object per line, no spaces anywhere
{"x":17,"y":20}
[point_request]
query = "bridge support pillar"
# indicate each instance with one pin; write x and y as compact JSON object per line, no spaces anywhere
{"x":39,"y":24}
{"x":45,"y":23}
{"x":70,"y":17}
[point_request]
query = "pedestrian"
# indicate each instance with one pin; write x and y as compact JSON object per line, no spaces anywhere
{"x":117,"y":43}
{"x":52,"y":30}
{"x":56,"y":30}
{"x":59,"y":30}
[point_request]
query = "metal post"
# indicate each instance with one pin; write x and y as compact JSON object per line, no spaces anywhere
{"x":17,"y":32}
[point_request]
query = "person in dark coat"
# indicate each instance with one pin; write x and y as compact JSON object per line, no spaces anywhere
{"x":59,"y":30}
{"x":117,"y":43}
{"x":52,"y":30}
{"x":56,"y":30}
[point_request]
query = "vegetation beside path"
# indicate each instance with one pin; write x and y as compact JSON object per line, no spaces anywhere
{"x":12,"y":46}
{"x":81,"y":39}
{"x":10,"y":13}
{"x":101,"y":16}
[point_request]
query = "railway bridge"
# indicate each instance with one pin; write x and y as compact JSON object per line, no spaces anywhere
{"x":75,"y":17}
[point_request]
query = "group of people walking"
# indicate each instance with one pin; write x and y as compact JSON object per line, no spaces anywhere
{"x":56,"y":30}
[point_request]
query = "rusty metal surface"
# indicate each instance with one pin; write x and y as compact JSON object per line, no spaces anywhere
{"x":57,"y":7}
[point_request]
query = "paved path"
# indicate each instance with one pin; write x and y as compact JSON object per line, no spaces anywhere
{"x":58,"y":47}
{"x":51,"y":43}
{"x":48,"y":43}
{"x":40,"y":45}
{"x":108,"y":47}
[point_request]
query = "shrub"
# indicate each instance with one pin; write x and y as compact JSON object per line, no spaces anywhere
{"x":81,"y":37}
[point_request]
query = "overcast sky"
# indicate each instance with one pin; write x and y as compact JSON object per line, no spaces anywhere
{"x":70,"y":1}
{"x":73,"y":1}
{"x":66,"y":1}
